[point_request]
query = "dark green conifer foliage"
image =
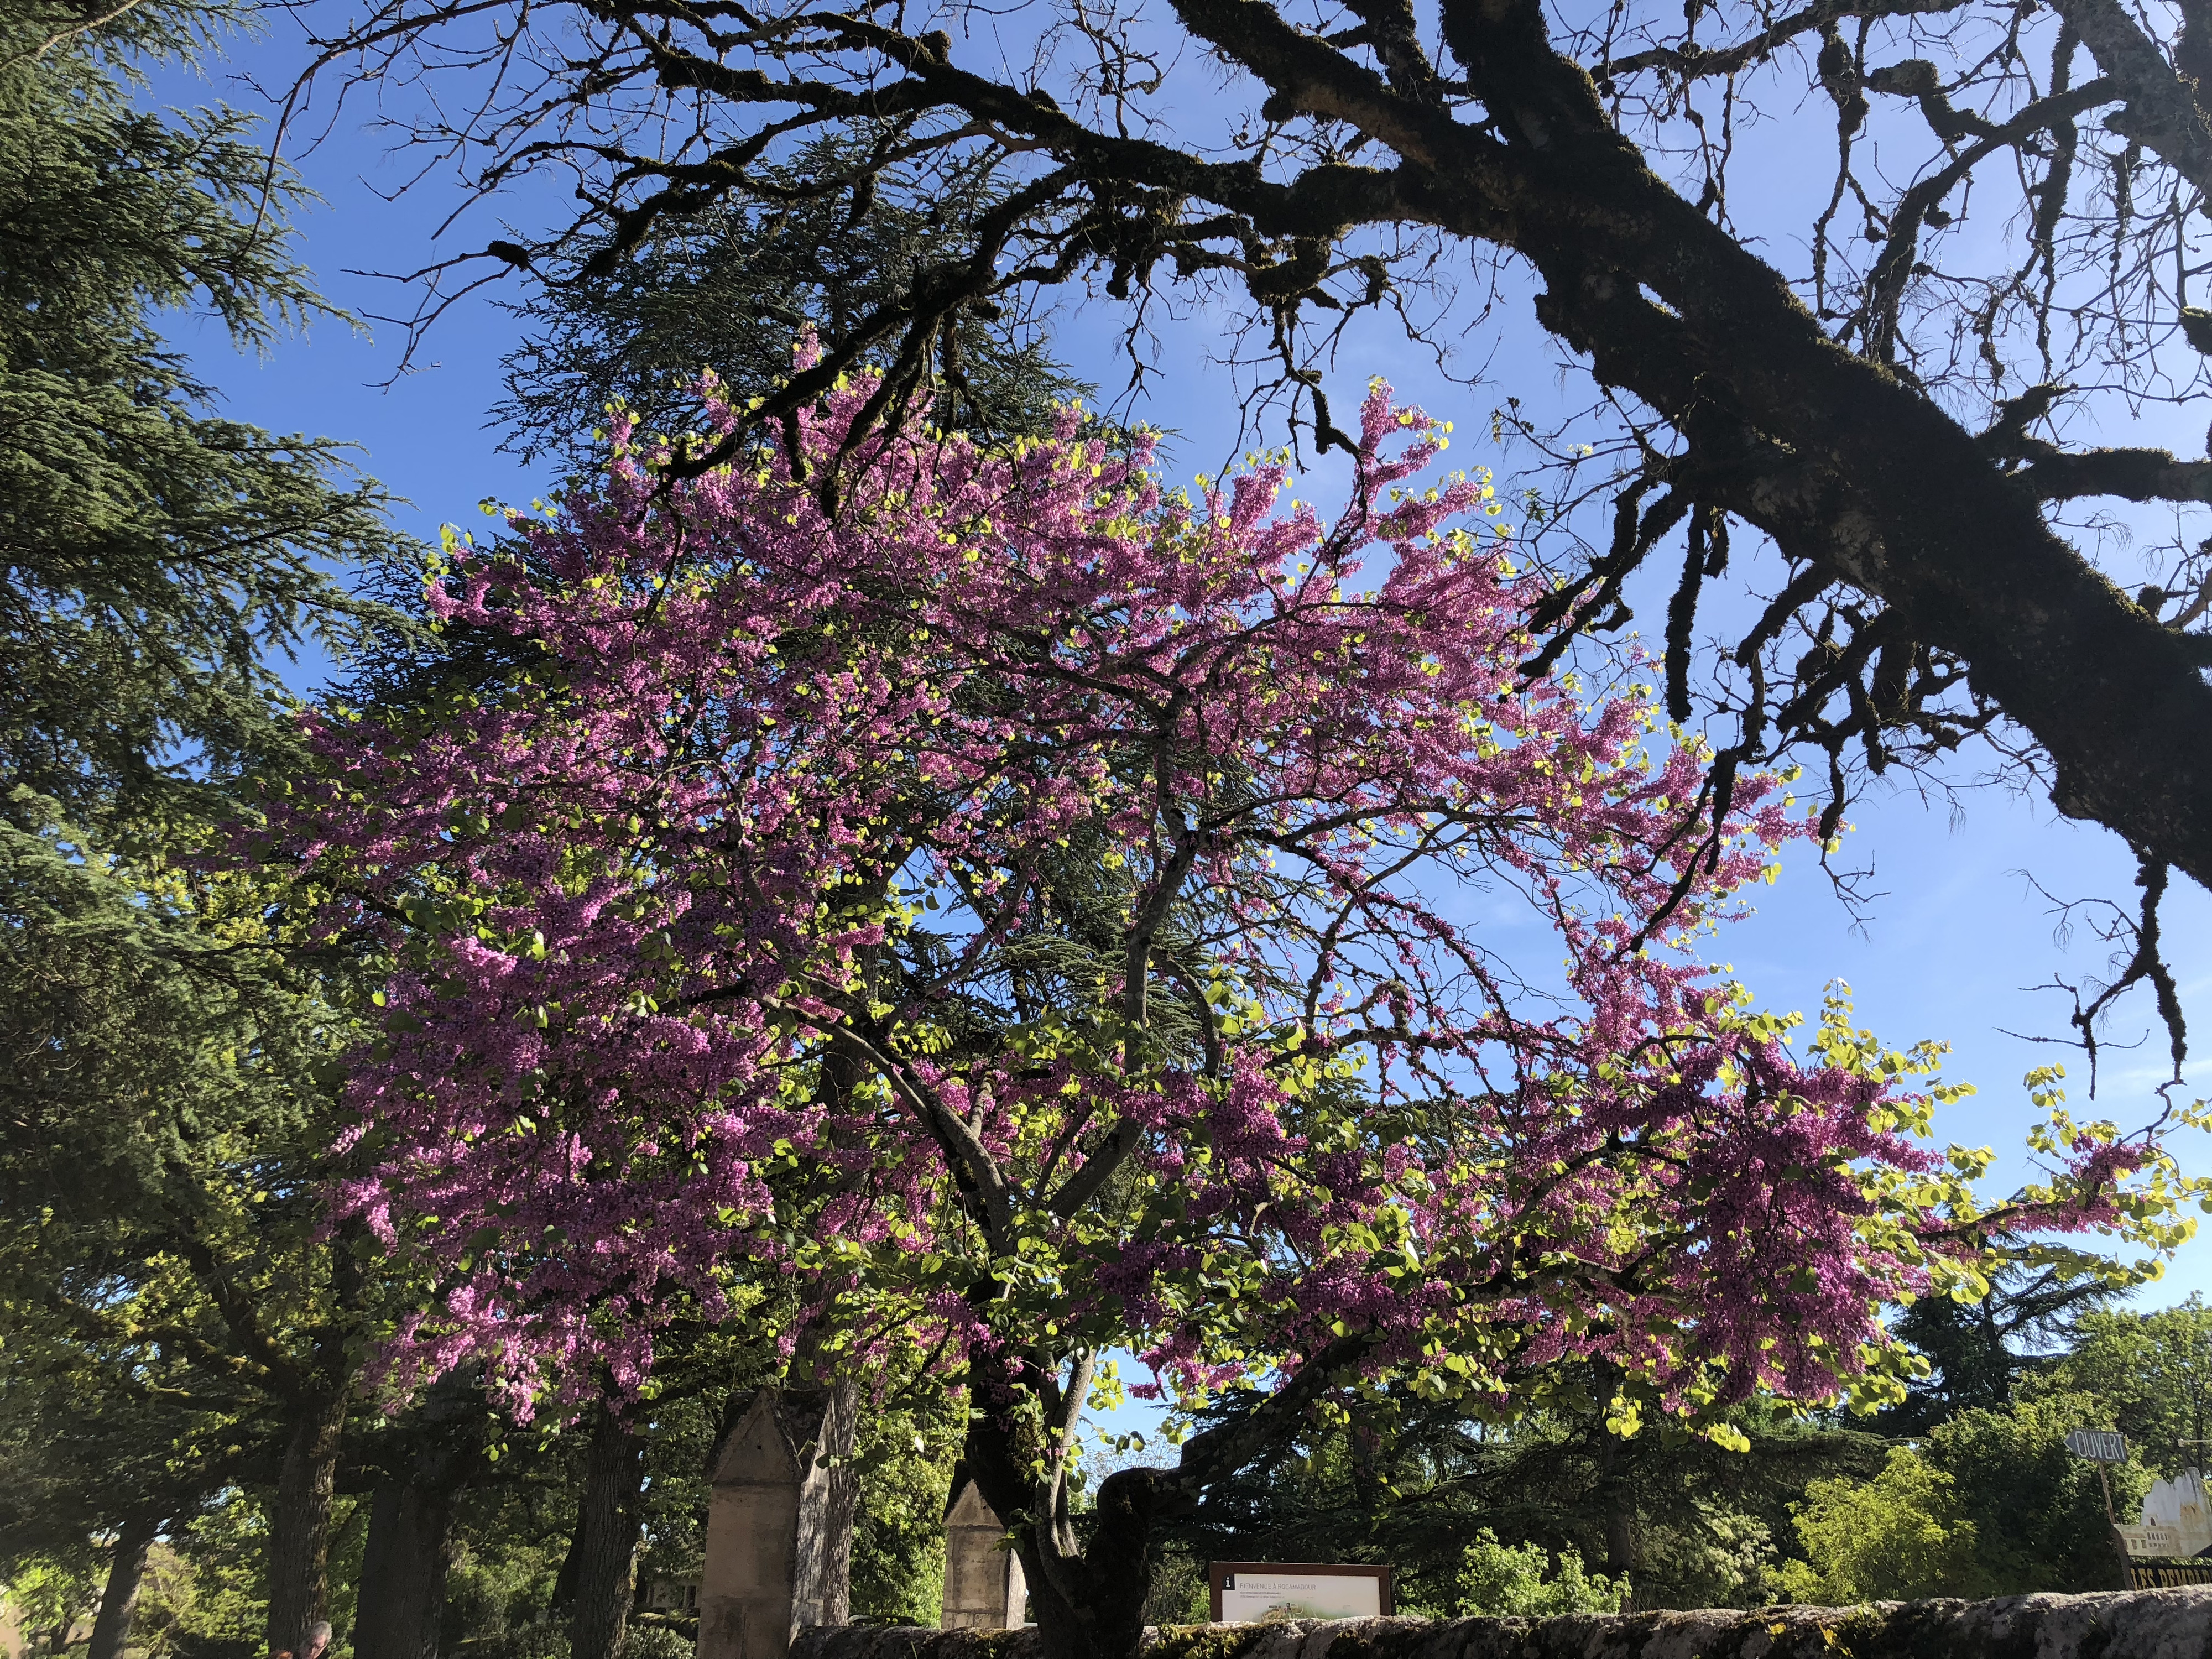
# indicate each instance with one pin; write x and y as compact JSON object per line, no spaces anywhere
{"x":160,"y":557}
{"x":164,"y":1128}
{"x":1977,"y":1351}
{"x":1687,"y":1523}
{"x":730,"y":288}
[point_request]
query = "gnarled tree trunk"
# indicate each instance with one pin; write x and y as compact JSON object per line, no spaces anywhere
{"x":604,"y":1551}
{"x":1088,"y":1595}
{"x":119,"y":1602}
{"x":300,"y":1523}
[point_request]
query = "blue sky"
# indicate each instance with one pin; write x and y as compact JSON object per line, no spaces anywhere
{"x":1949,"y":949}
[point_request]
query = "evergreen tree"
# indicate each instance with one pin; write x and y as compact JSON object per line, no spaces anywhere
{"x":730,"y":288}
{"x":160,"y":558}
{"x":1686,"y":1522}
{"x":1977,"y":1351}
{"x":163,"y":1134}
{"x":165,"y":1139}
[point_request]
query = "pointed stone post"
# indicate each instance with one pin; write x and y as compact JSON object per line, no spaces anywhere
{"x":779,"y":1528}
{"x":984,"y":1588}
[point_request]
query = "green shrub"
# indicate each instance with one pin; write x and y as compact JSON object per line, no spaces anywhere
{"x":1516,"y":1581}
{"x":1991,"y":1504}
{"x":541,"y":1638}
{"x":1896,"y":1537}
{"x":656,"y":1642}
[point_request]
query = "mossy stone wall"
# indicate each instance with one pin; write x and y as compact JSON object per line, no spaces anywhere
{"x":2172,"y":1624}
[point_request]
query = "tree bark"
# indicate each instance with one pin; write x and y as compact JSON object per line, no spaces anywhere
{"x":605,"y":1546}
{"x":411,"y":1528}
{"x":118,"y":1603}
{"x":403,"y":1569}
{"x":1088,"y":1602}
{"x":1615,"y":1496}
{"x":824,"y":1553}
{"x":1088,"y":1595}
{"x":1833,"y":455}
{"x":300,"y":1523}
{"x":564,"y":1581}
{"x":821,"y":1554}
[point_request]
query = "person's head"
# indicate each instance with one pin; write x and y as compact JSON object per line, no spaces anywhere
{"x":319,"y":1637}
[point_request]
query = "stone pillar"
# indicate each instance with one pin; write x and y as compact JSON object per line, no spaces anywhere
{"x":984,"y":1588}
{"x":780,"y":1527}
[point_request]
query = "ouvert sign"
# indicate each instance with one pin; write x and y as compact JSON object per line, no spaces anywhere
{"x":2098,"y":1445}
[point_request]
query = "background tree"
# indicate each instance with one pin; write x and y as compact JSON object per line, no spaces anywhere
{"x":1991,"y":1504}
{"x":422,"y":1462}
{"x":103,"y":1445}
{"x":167,"y":1145}
{"x":2152,"y":1372}
{"x":1680,"y":1521}
{"x":163,"y":1135}
{"x":160,"y":559}
{"x":730,"y":288}
{"x":1897,"y":1537}
{"x":1977,"y":1352}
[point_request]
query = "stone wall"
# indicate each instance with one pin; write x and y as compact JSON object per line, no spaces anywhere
{"x":2174,"y":1624}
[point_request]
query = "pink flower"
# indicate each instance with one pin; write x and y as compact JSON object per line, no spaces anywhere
{"x":786,"y":922}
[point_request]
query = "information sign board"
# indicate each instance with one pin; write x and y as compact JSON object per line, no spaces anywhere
{"x":1255,"y":1592}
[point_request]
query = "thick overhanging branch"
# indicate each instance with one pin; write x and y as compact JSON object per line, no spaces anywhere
{"x":2134,"y":475}
{"x":1924,"y":521}
{"x":1222,"y":1450}
{"x":2159,"y":109}
{"x":1877,"y":486}
{"x":237,"y":1308}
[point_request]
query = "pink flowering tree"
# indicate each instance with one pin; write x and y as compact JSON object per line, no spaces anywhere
{"x":1047,"y":915}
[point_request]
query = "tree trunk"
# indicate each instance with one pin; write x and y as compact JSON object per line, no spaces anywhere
{"x":409,"y":1550}
{"x":118,"y":1603}
{"x":1089,"y":1596}
{"x":1618,"y":1503}
{"x":564,"y":1582}
{"x":403,"y":1569}
{"x":300,"y":1523}
{"x":824,"y":1559}
{"x":605,"y":1546}
{"x":1089,"y":1605}
{"x":1092,"y":1607}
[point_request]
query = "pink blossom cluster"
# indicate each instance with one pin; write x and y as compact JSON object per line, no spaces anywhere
{"x":1028,"y":900}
